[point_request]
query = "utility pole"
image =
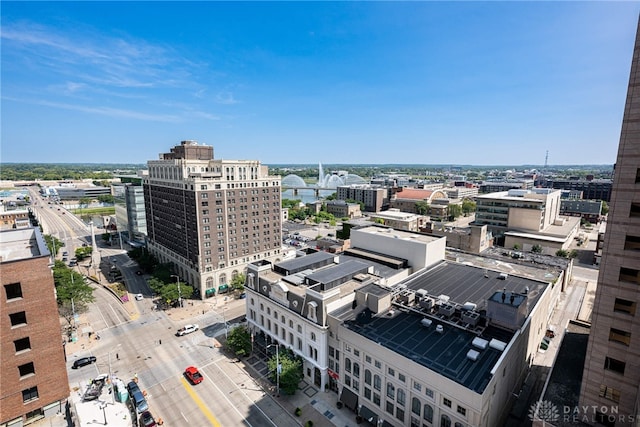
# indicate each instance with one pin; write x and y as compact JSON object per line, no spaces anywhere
{"x":179,"y":292}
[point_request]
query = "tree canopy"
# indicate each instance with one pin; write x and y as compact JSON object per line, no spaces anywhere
{"x":290,"y":371}
{"x":239,"y":340}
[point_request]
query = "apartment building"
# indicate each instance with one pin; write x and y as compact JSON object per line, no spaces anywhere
{"x":499,"y":186}
{"x":34,"y":382}
{"x":342,"y":209}
{"x":611,"y":377}
{"x":211,"y":217}
{"x":375,"y":198}
{"x":594,"y":189}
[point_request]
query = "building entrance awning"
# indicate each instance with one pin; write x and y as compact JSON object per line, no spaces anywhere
{"x":368,"y":415}
{"x":209,"y":292}
{"x":223,"y":288}
{"x":349,"y":398}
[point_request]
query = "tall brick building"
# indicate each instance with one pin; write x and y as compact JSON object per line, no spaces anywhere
{"x":33,"y":373}
{"x":211,"y":217}
{"x":611,"y":378}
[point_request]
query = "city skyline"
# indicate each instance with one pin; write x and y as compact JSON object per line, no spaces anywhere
{"x":373,"y":83}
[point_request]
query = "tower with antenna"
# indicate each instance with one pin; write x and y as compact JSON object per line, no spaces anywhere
{"x":546,"y":162}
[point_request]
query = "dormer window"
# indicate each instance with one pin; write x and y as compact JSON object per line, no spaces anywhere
{"x":312,"y":308}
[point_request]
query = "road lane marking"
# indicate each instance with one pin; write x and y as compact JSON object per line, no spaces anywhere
{"x":203,"y":408}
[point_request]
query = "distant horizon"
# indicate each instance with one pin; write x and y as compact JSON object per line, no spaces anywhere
{"x":482,"y":83}
{"x":441,"y":165}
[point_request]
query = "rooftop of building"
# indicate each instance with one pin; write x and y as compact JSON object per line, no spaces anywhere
{"x":395,"y":214}
{"x":520,"y":194}
{"x":396,"y":234}
{"x":21,"y":243}
{"x":446,"y":344}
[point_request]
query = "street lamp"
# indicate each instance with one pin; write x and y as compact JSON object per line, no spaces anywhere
{"x":179,"y":292}
{"x":113,"y":392}
{"x":278,"y":367}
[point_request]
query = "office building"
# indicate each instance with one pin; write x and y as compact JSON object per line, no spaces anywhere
{"x":594,"y":189}
{"x":131,"y":218}
{"x":611,"y":377}
{"x":211,"y":217}
{"x":33,"y":383}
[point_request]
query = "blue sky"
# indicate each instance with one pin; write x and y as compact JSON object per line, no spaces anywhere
{"x":481,"y":83}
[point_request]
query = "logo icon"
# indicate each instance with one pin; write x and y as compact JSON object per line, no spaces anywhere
{"x":543,"y":410}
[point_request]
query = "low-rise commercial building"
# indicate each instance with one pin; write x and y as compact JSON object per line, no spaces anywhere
{"x":394,"y":218}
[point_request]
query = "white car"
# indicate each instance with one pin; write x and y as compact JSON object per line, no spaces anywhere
{"x":139,"y":297}
{"x":187,"y":329}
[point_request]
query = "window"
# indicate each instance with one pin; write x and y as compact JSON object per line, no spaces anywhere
{"x":630,"y":275}
{"x":401,"y":377}
{"x":427,"y":413}
{"x":367,"y":377}
{"x":445,"y":421}
{"x":313,"y":336}
{"x":356,"y":370}
{"x":356,"y":352}
{"x":635,"y":210}
{"x":614,"y":365}
{"x":377,"y":383}
{"x":415,"y":406}
{"x":401,"y":398}
{"x":391,"y":391}
{"x":625,"y":306}
{"x":400,"y":414}
{"x":347,"y":380}
{"x":299,"y":329}
{"x":347,"y":364}
{"x":377,"y":364}
{"x":13,"y":291}
{"x":632,"y":243}
{"x":391,"y":372}
{"x":26,"y":369}
{"x":620,"y":336}
{"x":390,"y":407}
{"x":462,"y":411}
{"x":637,"y":175}
{"x":367,"y":358}
{"x":367,"y":393}
{"x":18,"y":319}
{"x":376,"y":399}
{"x":22,"y":344}
{"x":446,"y":402}
{"x":428,"y":392}
{"x":29,"y":394}
{"x":417,"y":386}
{"x":609,"y":393}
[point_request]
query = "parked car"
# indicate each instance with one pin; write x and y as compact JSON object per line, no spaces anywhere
{"x":138,"y":401}
{"x":147,"y":420}
{"x":132,"y":386}
{"x":187,"y":329}
{"x":83,"y":361}
{"x":193,"y":375}
{"x":139,"y":297}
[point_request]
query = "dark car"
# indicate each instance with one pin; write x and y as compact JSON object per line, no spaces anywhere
{"x":146,"y":420}
{"x":83,"y":361}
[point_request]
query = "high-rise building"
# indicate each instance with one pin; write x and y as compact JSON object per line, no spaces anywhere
{"x":611,"y":377}
{"x":211,"y":217}
{"x":34,"y":382}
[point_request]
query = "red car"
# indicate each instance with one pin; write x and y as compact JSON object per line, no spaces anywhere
{"x":194,"y":375}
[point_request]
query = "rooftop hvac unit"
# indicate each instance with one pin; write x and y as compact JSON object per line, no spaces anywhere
{"x":471,"y":317}
{"x":444,"y":298}
{"x":406,"y":297}
{"x":480,"y":343}
{"x":439,"y":329}
{"x":422,"y":293}
{"x":497,"y":344}
{"x":426,"y":322}
{"x":469,"y":306}
{"x":426,"y":303}
{"x":473,"y":355}
{"x":447,"y":310}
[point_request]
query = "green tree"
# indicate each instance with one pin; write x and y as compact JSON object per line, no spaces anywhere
{"x":70,"y":286}
{"x":53,"y":244}
{"x":379,"y":221}
{"x":573,"y":253}
{"x":516,"y":246}
{"x":454,"y":212}
{"x":562,"y":253}
{"x":605,"y":208}
{"x":239,"y":341}
{"x":468,"y":206}
{"x":536,"y":249}
{"x":290,"y":371}
{"x":106,"y":198}
{"x":169,"y":292}
{"x":422,"y":208}
{"x":83,"y":252}
{"x":237,"y":283}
